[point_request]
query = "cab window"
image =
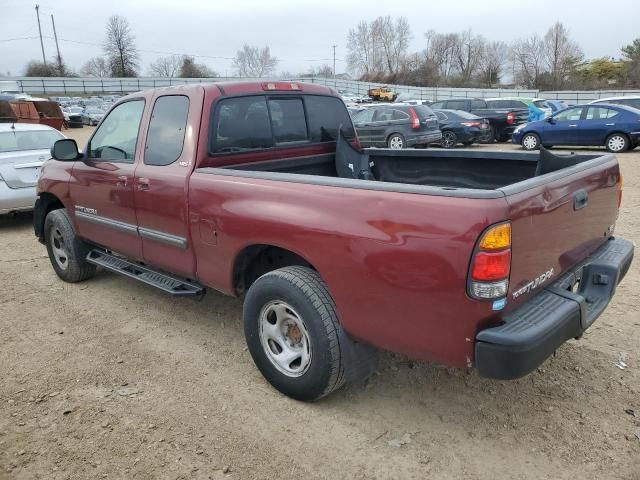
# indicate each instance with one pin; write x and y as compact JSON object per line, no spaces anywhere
{"x":166,"y":130}
{"x":116,"y":138}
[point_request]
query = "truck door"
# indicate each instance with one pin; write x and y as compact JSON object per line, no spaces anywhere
{"x":101,"y":186}
{"x":162,"y":182}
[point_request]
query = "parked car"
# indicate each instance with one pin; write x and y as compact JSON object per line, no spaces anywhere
{"x":503,"y":121}
{"x":536,"y":106}
{"x":23,"y":149}
{"x":382,"y":94}
{"x":462,"y":127}
{"x":555,"y":105}
{"x":464,"y":258}
{"x":73,"y":117}
{"x":631,"y":101}
{"x":411,"y":99}
{"x":616,"y":127}
{"x":397,"y":126}
{"x":92,"y":116}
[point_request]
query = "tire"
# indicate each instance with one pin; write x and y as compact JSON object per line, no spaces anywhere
{"x":449,"y":139}
{"x":617,"y":142}
{"x":395,"y":141}
{"x":531,"y":141}
{"x":491,"y":136}
{"x":67,"y":252}
{"x":313,"y":356}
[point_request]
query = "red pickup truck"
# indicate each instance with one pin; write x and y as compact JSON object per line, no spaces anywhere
{"x":485,"y":259}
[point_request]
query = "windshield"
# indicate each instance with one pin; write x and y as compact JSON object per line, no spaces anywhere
{"x":34,"y":140}
{"x":94,"y":111}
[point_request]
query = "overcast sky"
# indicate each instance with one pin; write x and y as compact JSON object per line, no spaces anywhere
{"x":300,"y":34}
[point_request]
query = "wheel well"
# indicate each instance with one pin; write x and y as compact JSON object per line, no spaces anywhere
{"x":256,"y":260}
{"x":47,"y":202}
{"x":618,"y":133}
{"x":394,"y":133}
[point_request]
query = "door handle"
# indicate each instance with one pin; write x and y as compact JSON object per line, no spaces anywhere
{"x":609,"y":124}
{"x":143,"y":184}
{"x":573,"y":125}
{"x":122,"y":181}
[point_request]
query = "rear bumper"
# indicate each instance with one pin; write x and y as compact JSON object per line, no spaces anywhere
{"x":424,"y":139}
{"x":532,"y":332}
{"x":16,"y":199}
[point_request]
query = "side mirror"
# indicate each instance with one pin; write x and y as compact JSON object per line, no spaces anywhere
{"x":551,"y":120}
{"x":65,"y":150}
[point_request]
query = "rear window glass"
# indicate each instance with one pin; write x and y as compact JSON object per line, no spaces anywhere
{"x":478,"y":104}
{"x":325,"y":116}
{"x":34,"y":140}
{"x":437,"y":105}
{"x":457,"y":104}
{"x":288,"y":120}
{"x":424,"y":111}
{"x":242,"y":124}
{"x":166,"y":130}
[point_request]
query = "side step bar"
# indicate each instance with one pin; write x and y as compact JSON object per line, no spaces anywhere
{"x":164,"y":281}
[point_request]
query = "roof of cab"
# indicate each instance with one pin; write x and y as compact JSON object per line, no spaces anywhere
{"x":239,"y":88}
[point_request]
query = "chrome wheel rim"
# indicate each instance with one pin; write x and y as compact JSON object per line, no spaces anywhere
{"x":396,"y":143}
{"x":616,"y":143}
{"x":448,"y":139}
{"x":530,"y":142}
{"x":285,"y":339}
{"x":59,"y":248}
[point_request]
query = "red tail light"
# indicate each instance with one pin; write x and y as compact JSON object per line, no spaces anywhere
{"x":472,"y":124}
{"x":415,"y":121}
{"x":488,"y":267}
{"x":491,"y":264}
{"x":283,"y":86}
{"x":511,"y":118}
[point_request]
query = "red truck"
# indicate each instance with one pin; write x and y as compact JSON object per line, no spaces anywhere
{"x":485,"y":259}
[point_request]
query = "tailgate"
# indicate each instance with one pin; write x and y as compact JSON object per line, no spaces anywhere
{"x":21,"y":169}
{"x":558,"y":219}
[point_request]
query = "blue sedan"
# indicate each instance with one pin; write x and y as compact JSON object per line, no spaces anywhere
{"x":616,"y":127}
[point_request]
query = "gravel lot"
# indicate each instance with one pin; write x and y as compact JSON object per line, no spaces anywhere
{"x":113,"y":379}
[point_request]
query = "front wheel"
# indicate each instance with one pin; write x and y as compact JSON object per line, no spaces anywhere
{"x":67,"y":252}
{"x":449,"y":139}
{"x":530,"y":141}
{"x":617,"y":142}
{"x":395,"y":142}
{"x":294,"y":336}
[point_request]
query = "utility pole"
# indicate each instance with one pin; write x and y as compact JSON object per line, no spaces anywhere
{"x":334,"y":64}
{"x":55,"y":35}
{"x":44,"y":59}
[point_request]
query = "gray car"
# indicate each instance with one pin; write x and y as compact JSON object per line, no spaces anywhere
{"x":24,"y":147}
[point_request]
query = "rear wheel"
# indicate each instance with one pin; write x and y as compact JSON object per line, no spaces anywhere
{"x":617,"y":142}
{"x":449,"y":139}
{"x":530,"y":141}
{"x":396,"y":141}
{"x":67,"y":252}
{"x":295,"y":338}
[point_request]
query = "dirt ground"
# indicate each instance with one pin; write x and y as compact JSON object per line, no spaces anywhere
{"x":113,"y":379}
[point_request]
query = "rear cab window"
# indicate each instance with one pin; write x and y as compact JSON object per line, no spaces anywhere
{"x":260,"y":122}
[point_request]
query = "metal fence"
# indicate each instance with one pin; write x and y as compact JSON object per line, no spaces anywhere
{"x":92,"y":85}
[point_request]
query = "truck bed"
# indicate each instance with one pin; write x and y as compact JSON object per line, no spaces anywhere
{"x":451,"y":169}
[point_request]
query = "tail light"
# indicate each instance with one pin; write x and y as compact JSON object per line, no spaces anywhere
{"x":283,"y":86}
{"x":620,"y":183}
{"x":472,"y":124}
{"x":491,"y":263}
{"x":511,"y":118}
{"x":415,"y":121}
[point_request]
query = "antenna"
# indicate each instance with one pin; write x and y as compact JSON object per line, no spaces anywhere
{"x":44,"y":59}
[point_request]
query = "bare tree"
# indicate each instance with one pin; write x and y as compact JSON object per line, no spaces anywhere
{"x":253,"y":61}
{"x":561,"y":54}
{"x":120,"y":48}
{"x":469,"y":54}
{"x":496,"y":55}
{"x":528,"y":59}
{"x":361,"y":46}
{"x":166,"y":66}
{"x":442,"y":50}
{"x":96,"y":67}
{"x":190,"y":69}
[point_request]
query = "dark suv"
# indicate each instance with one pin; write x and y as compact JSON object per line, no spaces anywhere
{"x":397,"y":126}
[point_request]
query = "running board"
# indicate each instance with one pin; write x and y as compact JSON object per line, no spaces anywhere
{"x":164,"y":281}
